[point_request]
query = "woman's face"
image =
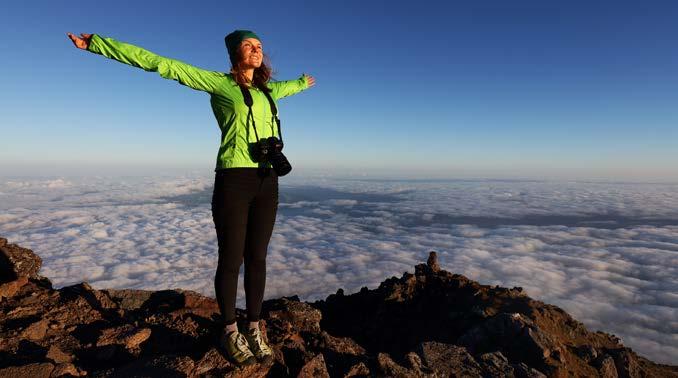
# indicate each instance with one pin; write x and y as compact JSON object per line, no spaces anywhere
{"x":251,"y":53}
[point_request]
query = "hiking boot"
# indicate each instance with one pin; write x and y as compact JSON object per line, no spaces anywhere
{"x":258,"y":346}
{"x":235,"y":345}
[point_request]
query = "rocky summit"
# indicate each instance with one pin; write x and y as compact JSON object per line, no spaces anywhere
{"x":428,"y":324}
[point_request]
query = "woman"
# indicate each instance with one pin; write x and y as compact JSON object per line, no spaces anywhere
{"x":245,"y":198}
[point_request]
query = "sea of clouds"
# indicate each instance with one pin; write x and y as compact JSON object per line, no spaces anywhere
{"x":605,"y":252}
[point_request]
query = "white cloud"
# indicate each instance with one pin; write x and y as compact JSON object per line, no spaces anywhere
{"x":342,"y":202}
{"x":606,"y":253}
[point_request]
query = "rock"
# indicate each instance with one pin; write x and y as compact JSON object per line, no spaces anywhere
{"x":128,"y":299}
{"x":96,"y":299}
{"x":57,"y":355}
{"x":523,"y":371}
{"x":587,"y":353}
{"x":300,"y":315}
{"x":314,"y":368}
{"x":8,"y":289}
{"x":197,"y":304}
{"x":36,"y":331}
{"x":55,"y":325}
{"x":340,"y":353}
{"x":211,"y":360}
{"x":67,"y":369}
{"x":342,"y":345}
{"x":168,"y":365}
{"x":606,"y":367}
{"x":432,"y":262}
{"x":626,"y":363}
{"x":495,"y":365}
{"x":516,"y":336}
{"x":431,"y":323}
{"x":414,"y":361}
{"x":17,"y":262}
{"x":449,"y":360}
{"x":357,"y":370}
{"x":34,"y":370}
{"x":128,"y":336}
{"x":390,"y":368}
{"x":421,"y":271}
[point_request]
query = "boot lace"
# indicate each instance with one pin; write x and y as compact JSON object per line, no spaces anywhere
{"x":241,"y":342}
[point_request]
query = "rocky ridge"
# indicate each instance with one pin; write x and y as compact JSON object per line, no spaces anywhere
{"x":428,"y":324}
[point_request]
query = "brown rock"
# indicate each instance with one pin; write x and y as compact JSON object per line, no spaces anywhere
{"x":314,"y":368}
{"x":626,"y":364}
{"x":195,"y":303}
{"x":17,"y":262}
{"x":36,"y":331}
{"x":515,"y":335}
{"x":343,"y":345}
{"x":449,"y":360}
{"x":8,"y":289}
{"x":83,"y":295}
{"x":495,"y":365}
{"x":432,"y":262}
{"x":606,"y":367}
{"x":35,"y":370}
{"x":67,"y":369}
{"x":55,"y":325}
{"x":300,"y":315}
{"x":210,"y":360}
{"x":128,"y":336}
{"x":168,"y":365}
{"x":391,"y":368}
{"x":417,"y":318}
{"x":413,"y":360}
{"x":57,"y":355}
{"x":359,"y":369}
{"x":587,"y":353}
{"x":128,"y":299}
{"x":523,"y":371}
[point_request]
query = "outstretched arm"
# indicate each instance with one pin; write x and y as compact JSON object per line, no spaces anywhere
{"x":280,"y":89}
{"x":196,"y":78}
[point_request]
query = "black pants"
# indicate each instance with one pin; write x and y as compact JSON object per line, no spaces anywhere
{"x":244,"y":207}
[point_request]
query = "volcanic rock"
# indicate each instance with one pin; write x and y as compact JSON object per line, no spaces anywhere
{"x":428,"y":324}
{"x":17,"y":262}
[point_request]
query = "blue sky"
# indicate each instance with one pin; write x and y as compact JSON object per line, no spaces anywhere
{"x":432,"y":89}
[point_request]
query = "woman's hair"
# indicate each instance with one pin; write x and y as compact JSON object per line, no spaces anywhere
{"x":261,"y":76}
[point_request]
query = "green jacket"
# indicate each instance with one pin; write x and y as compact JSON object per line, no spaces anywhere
{"x":225,"y":96}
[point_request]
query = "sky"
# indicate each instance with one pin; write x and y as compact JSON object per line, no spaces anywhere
{"x":529,"y":143}
{"x":604,"y":252}
{"x":429,"y":89}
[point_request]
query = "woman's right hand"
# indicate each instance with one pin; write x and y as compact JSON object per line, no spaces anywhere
{"x":81,"y":43}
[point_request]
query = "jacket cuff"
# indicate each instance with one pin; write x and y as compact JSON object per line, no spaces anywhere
{"x":91,"y":43}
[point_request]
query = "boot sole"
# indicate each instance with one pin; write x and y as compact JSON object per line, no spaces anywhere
{"x":250,"y":361}
{"x":266,"y":359}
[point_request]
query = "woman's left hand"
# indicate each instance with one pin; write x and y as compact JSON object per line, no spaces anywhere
{"x":81,"y":43}
{"x":311,"y":80}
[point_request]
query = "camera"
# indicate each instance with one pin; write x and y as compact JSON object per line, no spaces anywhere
{"x":270,"y":149}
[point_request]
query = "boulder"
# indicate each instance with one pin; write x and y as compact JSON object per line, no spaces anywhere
{"x":17,"y":262}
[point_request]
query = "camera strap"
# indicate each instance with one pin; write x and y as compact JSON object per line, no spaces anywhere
{"x":247,"y":96}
